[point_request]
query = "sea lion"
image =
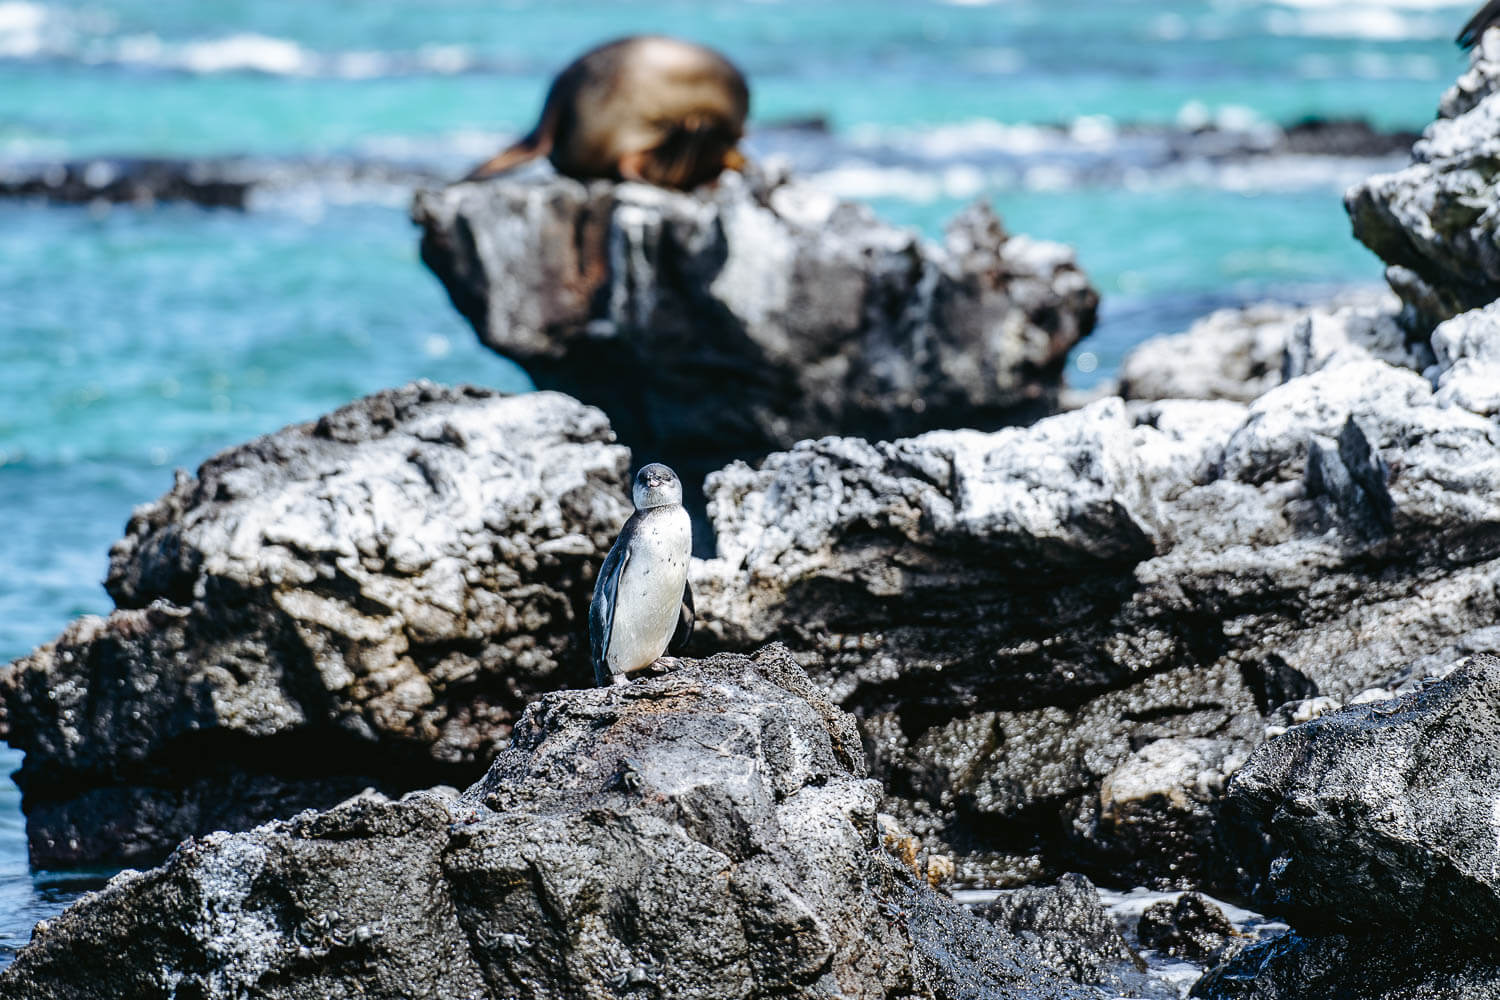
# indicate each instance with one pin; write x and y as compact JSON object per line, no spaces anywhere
{"x":1487,"y":17}
{"x":645,"y":108}
{"x":643,"y":604}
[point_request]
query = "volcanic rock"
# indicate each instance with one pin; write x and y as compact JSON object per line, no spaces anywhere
{"x":1437,"y":222}
{"x":212,"y":182}
{"x":1239,"y":354}
{"x":1417,"y":965}
{"x":1466,"y":373}
{"x":1018,"y":618}
{"x":750,"y":315}
{"x":707,"y":833}
{"x":1383,"y":813}
{"x":1382,"y":817}
{"x":368,"y":598}
{"x":1188,"y":927}
{"x":1067,"y":928}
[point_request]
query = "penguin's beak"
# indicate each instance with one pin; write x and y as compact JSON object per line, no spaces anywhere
{"x":734,"y":160}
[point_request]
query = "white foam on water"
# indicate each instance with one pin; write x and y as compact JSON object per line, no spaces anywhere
{"x":19,"y":16}
{"x":1364,"y":21}
{"x":1460,"y":5}
{"x":462,"y":145}
{"x":35,"y":31}
{"x":22,"y":29}
{"x":864,"y":180}
{"x":959,"y":138}
{"x":239,"y":52}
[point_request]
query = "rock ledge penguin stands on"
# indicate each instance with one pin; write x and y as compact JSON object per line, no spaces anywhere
{"x":645,"y":108}
{"x":642,"y":604}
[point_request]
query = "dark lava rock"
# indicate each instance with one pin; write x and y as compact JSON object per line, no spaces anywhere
{"x":708,"y":833}
{"x":1342,"y":137}
{"x":1435,"y":222}
{"x":1420,"y":965}
{"x":750,"y":315}
{"x":138,"y":181}
{"x":212,"y":183}
{"x":1068,"y":929}
{"x":1384,"y":813}
{"x":1382,"y":816}
{"x":369,"y":598}
{"x":1062,"y":640}
{"x":1188,"y":927}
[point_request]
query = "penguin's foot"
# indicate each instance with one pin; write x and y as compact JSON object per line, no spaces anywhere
{"x":618,"y":679}
{"x":665,"y":664}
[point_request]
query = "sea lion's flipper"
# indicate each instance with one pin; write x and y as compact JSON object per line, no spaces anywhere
{"x":685,"y":618}
{"x":530,"y":148}
{"x":1488,"y":15}
{"x":537,"y":144}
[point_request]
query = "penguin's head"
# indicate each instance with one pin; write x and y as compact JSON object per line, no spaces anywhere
{"x":656,"y":486}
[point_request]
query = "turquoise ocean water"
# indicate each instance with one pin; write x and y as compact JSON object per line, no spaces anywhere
{"x":136,"y":340}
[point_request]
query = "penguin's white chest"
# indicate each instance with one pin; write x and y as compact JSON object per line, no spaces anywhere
{"x":648,"y":598}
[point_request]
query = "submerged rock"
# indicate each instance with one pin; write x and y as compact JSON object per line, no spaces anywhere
{"x":1068,"y":929}
{"x":1436,"y":223}
{"x":1060,"y":640}
{"x":1188,"y":927}
{"x":368,"y":598}
{"x":1382,"y":817}
{"x":750,"y":315}
{"x":214,"y":182}
{"x":708,"y":833}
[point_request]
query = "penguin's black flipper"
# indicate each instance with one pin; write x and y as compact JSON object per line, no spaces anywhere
{"x":1488,"y":15}
{"x":602,"y":609}
{"x":684,"y":622}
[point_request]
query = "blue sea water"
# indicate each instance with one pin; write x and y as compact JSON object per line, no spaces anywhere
{"x":133,"y":341}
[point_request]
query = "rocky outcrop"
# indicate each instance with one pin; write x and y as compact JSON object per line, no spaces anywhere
{"x":1382,"y":817}
{"x":369,"y":598}
{"x":707,"y":833}
{"x":1239,"y":354}
{"x":1062,"y":640}
{"x":1436,"y":222}
{"x":751,"y":315}
{"x":1406,"y":786}
{"x":1466,"y":372}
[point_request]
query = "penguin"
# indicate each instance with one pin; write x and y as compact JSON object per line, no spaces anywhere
{"x":645,"y":108}
{"x":1487,"y":17}
{"x":643,"y":605}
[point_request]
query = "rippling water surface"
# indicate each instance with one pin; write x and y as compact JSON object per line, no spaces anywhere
{"x":136,"y":340}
